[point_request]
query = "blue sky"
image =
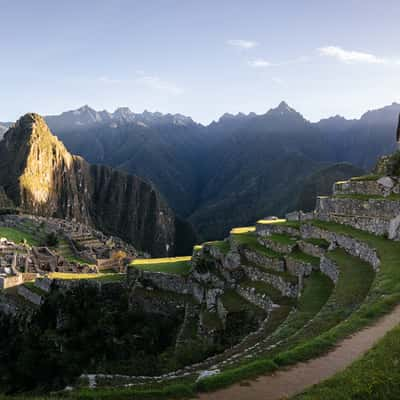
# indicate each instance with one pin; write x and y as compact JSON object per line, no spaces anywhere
{"x":199,"y":58}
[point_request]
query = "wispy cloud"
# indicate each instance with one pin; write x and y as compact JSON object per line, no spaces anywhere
{"x":154,"y":82}
{"x":260,"y":63}
{"x":243,"y":44}
{"x":263,"y":63}
{"x":350,"y":56}
{"x":149,"y":81}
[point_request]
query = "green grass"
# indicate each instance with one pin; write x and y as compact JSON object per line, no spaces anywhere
{"x":318,"y":242}
{"x":282,"y":238}
{"x":267,"y":289}
{"x":222,"y":245}
{"x":233,"y":302}
{"x":375,"y":376}
{"x":64,"y":249}
{"x":306,"y":258}
{"x":172,"y":265}
{"x":249,"y":240}
{"x":370,"y":177}
{"x":354,"y":282}
{"x":18,"y":236}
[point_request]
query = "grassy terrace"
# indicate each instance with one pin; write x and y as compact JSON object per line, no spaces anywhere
{"x":18,"y":236}
{"x":64,"y":249}
{"x":354,"y":283}
{"x":170,"y":265}
{"x":282,"y":238}
{"x":264,"y":288}
{"x":382,"y":297}
{"x":318,"y":242}
{"x":300,"y":256}
{"x":222,"y":245}
{"x":249,"y":240}
{"x":370,"y":177}
{"x":233,"y":302}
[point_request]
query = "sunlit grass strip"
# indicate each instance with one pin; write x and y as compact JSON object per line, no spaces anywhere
{"x":147,"y":261}
{"x":169,"y":265}
{"x":244,"y":229}
{"x":79,"y":276}
{"x":271,"y":221}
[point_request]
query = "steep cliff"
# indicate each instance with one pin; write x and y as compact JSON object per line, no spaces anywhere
{"x":41,"y":177}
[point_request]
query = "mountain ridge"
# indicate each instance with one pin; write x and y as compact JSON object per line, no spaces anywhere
{"x":40,"y":176}
{"x":215,"y":172}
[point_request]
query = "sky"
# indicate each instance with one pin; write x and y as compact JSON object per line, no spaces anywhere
{"x":200,"y":58}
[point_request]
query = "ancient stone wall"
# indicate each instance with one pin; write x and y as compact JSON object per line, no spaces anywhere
{"x":329,"y":268}
{"x":287,"y":288}
{"x":29,"y":295}
{"x":349,"y":244}
{"x":256,"y":298}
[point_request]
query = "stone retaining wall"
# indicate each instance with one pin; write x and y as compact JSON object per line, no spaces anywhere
{"x":383,"y":186}
{"x":29,"y":295}
{"x":297,"y":267}
{"x":329,"y":268}
{"x":268,"y":229}
{"x":350,"y":245}
{"x":311,"y":249}
{"x":288,"y":289}
{"x":44,"y":284}
{"x":255,"y":257}
{"x":373,"y":208}
{"x":275,"y":245}
{"x":162,"y":281}
{"x":258,"y":299}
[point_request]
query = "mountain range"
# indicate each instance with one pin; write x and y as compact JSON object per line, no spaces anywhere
{"x":236,"y":169}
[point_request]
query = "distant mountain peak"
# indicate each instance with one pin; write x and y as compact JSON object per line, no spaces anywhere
{"x":284,"y":107}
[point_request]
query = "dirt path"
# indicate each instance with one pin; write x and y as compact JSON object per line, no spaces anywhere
{"x":294,"y":380}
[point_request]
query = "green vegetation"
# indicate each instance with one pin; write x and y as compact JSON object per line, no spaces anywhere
{"x":64,"y":249}
{"x":171,"y":265}
{"x":283,"y":239}
{"x":306,"y":258}
{"x":373,"y":377}
{"x":250,"y":241}
{"x":106,"y":277}
{"x":264,"y":288}
{"x":318,"y":242}
{"x":18,"y":236}
{"x":370,"y":177}
{"x":233,"y":302}
{"x":222,"y":245}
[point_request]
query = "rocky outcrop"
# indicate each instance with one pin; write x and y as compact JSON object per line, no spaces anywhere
{"x":38,"y":175}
